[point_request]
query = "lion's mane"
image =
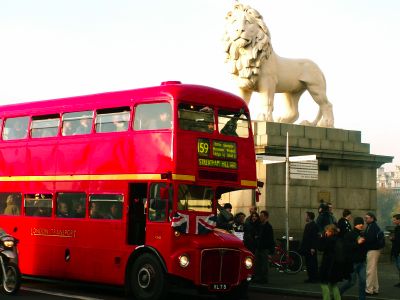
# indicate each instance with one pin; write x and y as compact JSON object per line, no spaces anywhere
{"x":244,"y":57}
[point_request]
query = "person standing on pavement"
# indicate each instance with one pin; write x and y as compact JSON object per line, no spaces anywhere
{"x":331,"y":270}
{"x":250,"y":232}
{"x":308,"y":247}
{"x":225,"y":217}
{"x":373,"y":252}
{"x":396,"y":244}
{"x":344,"y":225}
{"x":324,"y":218}
{"x":252,"y":209}
{"x":265,"y":246}
{"x":354,"y":244}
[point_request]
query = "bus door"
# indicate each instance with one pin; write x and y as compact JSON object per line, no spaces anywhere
{"x":159,"y":210}
{"x":137,"y":214}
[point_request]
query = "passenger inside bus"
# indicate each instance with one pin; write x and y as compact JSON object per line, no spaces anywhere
{"x":119,"y":124}
{"x":62,"y":210}
{"x":95,"y":211}
{"x":84,"y":127}
{"x":163,"y":121}
{"x":115,"y":211}
{"x":78,"y":209}
{"x":12,"y":209}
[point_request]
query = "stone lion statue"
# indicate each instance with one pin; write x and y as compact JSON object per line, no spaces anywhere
{"x":258,"y":68}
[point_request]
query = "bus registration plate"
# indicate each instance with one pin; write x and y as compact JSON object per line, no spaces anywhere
{"x":219,"y":287}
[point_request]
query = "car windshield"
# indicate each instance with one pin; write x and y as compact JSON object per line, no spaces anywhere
{"x":194,"y":197}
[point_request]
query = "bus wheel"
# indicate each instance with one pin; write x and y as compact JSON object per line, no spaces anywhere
{"x":148,"y":279}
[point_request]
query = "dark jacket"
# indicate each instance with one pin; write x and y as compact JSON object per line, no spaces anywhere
{"x":310,"y":238}
{"x":332,"y":268}
{"x":396,"y":242}
{"x":249,"y":236}
{"x":371,"y":236}
{"x":323,"y":219}
{"x":356,"y":252}
{"x":344,"y":226}
{"x":265,"y":237}
{"x":225,"y":220}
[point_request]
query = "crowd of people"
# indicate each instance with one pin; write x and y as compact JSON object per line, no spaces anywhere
{"x":349,"y":249}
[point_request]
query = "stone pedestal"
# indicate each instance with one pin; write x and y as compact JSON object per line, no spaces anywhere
{"x":347,"y":173}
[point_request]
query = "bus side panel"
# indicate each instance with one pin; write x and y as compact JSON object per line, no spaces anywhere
{"x":153,"y":152}
{"x":13,"y":158}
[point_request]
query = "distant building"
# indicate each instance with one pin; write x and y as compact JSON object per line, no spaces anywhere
{"x":388,"y":179}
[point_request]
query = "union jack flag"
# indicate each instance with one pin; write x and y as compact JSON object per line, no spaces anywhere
{"x":205,"y":224}
{"x":180,"y":222}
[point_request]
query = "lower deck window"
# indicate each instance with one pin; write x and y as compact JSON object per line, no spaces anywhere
{"x":10,"y":204}
{"x":106,"y":206}
{"x":38,"y":205}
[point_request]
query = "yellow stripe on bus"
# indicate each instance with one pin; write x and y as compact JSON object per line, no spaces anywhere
{"x":94,"y":177}
{"x":249,"y":183}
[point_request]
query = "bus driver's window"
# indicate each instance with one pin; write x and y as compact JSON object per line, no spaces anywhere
{"x":159,"y":202}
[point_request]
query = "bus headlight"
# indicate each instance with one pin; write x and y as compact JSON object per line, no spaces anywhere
{"x":8,"y":244}
{"x":184,"y":260}
{"x":248,"y":262}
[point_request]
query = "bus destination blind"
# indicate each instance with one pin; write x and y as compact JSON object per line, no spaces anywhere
{"x":222,"y":154}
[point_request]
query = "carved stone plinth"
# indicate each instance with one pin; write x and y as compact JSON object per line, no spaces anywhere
{"x":346,"y":177}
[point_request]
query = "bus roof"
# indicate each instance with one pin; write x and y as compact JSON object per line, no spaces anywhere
{"x":167,"y":90}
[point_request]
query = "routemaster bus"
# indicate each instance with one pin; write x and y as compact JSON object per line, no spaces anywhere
{"x":122,"y":188}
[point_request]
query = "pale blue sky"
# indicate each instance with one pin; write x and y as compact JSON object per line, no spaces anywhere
{"x":59,"y":48}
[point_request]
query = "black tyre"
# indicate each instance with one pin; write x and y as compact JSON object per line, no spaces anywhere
{"x":292,"y":264}
{"x":11,"y":284}
{"x":148,"y":279}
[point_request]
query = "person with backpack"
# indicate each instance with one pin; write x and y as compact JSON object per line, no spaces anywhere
{"x":374,"y":242}
{"x":354,"y":245}
{"x":333,"y":263}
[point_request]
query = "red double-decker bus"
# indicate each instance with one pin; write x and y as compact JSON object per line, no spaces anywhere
{"x":122,"y":187}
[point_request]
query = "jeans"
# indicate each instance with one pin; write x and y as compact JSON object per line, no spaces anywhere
{"x":397,"y":262}
{"x":360,"y":272}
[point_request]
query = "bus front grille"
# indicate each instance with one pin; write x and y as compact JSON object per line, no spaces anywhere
{"x":220,"y":266}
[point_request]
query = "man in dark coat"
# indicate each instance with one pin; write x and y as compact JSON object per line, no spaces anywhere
{"x":396,"y":244}
{"x":308,"y":247}
{"x":344,"y":225}
{"x":324,"y":218}
{"x":265,"y":245}
{"x":354,"y":244}
{"x":225,"y":217}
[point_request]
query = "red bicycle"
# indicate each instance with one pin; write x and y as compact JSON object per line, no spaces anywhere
{"x":289,"y":262}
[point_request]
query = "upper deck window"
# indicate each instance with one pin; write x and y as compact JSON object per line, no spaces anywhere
{"x":112,"y":120}
{"x":153,"y":116}
{"x":196,"y":117}
{"x":45,"y":126}
{"x":16,"y":128}
{"x":233,"y":123}
{"x":77,"y":123}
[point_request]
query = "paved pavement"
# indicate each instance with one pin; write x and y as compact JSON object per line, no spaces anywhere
{"x":283,"y":283}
